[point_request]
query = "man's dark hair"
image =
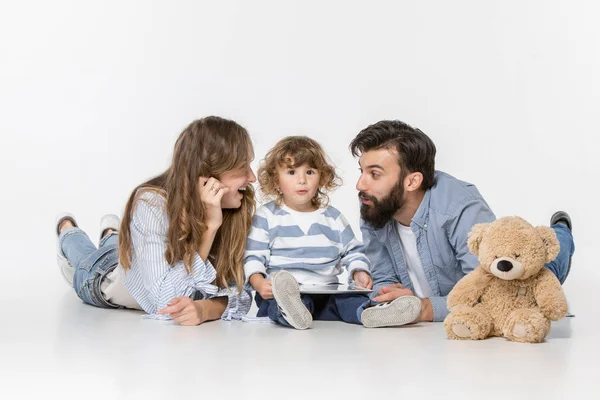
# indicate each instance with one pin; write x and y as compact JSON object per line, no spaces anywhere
{"x":416,"y":151}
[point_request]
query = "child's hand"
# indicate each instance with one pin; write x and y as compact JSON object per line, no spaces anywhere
{"x":361,"y":278}
{"x":262,"y":286}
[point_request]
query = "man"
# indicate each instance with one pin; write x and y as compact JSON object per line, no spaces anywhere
{"x":415,"y":220}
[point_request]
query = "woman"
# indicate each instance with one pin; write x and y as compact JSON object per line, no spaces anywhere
{"x":182,"y":240}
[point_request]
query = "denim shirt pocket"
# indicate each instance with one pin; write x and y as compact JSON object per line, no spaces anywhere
{"x":442,"y":254}
{"x":442,"y":259}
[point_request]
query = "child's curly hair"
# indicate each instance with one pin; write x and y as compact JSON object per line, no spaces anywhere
{"x":292,"y":152}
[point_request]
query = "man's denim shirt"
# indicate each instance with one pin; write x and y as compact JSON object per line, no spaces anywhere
{"x":441,"y":226}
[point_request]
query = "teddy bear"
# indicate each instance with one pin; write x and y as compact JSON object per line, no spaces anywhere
{"x":510,"y":294}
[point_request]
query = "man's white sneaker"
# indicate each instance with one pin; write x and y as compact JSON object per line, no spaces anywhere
{"x":400,"y":311}
{"x":66,"y":269}
{"x":287,"y":294}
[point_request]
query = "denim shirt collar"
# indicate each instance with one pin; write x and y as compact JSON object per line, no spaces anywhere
{"x":422,"y":215}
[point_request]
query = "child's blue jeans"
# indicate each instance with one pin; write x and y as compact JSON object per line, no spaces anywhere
{"x":323,"y":307}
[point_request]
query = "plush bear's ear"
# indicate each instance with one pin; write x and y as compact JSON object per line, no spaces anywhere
{"x":550,"y":241}
{"x":475,"y":237}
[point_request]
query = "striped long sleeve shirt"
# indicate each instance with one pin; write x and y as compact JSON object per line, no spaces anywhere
{"x":153,"y":282}
{"x":312,"y":246}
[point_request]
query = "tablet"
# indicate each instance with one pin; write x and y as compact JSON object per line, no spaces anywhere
{"x":333,"y":288}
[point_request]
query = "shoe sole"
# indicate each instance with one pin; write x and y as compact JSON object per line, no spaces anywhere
{"x":401,"y":311}
{"x":287,"y":294}
{"x":66,"y":269}
{"x":564,"y":216}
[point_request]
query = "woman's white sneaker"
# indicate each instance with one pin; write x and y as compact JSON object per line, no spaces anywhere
{"x":400,"y":311}
{"x":287,"y":294}
{"x":109,"y":221}
{"x":66,"y":269}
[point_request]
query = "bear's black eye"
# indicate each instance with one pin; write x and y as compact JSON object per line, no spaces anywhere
{"x":517,"y":255}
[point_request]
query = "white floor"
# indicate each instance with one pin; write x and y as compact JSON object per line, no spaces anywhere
{"x":51,"y":343}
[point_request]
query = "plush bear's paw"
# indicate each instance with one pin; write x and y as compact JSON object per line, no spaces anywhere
{"x":526,"y":325}
{"x":555,"y":312}
{"x":521,"y":330}
{"x":467,"y":323}
{"x":461,"y":330}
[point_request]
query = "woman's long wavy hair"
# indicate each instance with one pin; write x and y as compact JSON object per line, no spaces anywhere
{"x":206,"y":148}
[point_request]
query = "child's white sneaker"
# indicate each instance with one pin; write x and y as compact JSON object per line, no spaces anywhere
{"x":400,"y":311}
{"x":287,"y":294}
{"x":66,"y":269}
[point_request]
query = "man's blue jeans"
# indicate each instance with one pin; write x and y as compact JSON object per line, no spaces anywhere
{"x":560,"y":265}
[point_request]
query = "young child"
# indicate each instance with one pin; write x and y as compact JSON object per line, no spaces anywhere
{"x":298,"y":238}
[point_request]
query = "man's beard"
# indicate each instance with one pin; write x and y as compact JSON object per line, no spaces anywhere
{"x":381,"y":211}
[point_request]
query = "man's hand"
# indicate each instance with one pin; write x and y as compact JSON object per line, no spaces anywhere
{"x":426,"y":311}
{"x":392,"y":292}
{"x":263,"y":286}
{"x":389,"y":293}
{"x":362,"y":279}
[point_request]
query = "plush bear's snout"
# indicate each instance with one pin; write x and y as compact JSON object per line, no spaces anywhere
{"x":505,"y":266}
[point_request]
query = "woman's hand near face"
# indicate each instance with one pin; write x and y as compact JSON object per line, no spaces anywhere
{"x":211,"y":193}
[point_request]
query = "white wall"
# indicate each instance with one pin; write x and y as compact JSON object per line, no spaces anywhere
{"x":93,"y":94}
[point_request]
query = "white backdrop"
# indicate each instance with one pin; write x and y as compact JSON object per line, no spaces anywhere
{"x":93,"y":95}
